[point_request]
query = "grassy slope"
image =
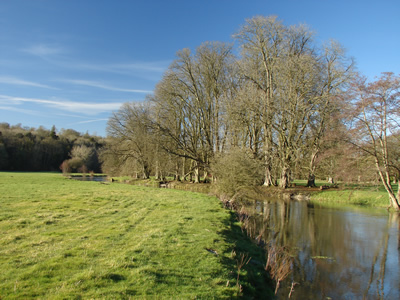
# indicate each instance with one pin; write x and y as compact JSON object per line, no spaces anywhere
{"x":62,"y":238}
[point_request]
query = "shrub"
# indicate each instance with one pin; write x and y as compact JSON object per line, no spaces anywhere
{"x":75,"y":164}
{"x":235,"y":170}
{"x":65,"y":168}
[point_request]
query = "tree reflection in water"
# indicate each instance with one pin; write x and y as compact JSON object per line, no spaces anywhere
{"x":338,"y":253}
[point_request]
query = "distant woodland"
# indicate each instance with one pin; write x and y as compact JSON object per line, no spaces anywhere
{"x":30,"y":149}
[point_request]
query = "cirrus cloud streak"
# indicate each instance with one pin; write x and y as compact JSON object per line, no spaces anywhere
{"x":86,"y":108}
{"x":17,"y":81}
{"x":105,"y":86}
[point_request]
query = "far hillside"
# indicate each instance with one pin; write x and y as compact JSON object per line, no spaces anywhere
{"x":40,"y":149}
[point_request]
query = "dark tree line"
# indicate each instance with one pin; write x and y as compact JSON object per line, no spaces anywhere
{"x":31,"y":149}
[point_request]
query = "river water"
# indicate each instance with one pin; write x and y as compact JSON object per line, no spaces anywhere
{"x":335,"y":253}
{"x":91,"y":178}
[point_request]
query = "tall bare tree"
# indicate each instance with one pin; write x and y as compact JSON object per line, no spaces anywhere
{"x":298,"y":82}
{"x":336,"y":72}
{"x":375,"y":113}
{"x":261,"y":42}
{"x":296,"y":97}
{"x":189,"y":103}
{"x":246,"y":120}
{"x":132,"y":137}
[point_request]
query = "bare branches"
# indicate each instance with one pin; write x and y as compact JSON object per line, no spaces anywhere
{"x":376,"y":108}
{"x":276,"y":100}
{"x":298,"y":81}
{"x":190,"y":102}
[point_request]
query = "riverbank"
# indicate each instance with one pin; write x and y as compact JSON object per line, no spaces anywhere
{"x":70,"y":239}
{"x":341,"y":194}
{"x":365,"y":195}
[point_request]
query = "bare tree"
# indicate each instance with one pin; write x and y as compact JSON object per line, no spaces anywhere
{"x":296,"y":101}
{"x":275,"y":101}
{"x":133,"y":138}
{"x":189,"y":104}
{"x":297,"y":82}
{"x":245,"y":120}
{"x":336,"y":73}
{"x":374,"y":116}
{"x":261,"y":42}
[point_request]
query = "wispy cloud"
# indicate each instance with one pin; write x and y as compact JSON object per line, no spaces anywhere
{"x":21,"y":110}
{"x":156,"y":66}
{"x":87,"y":108}
{"x":105,"y":86}
{"x":148,"y":70}
{"x":90,"y":121}
{"x":71,"y":115}
{"x":17,"y":81}
{"x":58,"y":55}
{"x":43,"y":50}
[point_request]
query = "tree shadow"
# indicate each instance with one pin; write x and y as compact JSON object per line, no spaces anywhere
{"x":247,"y":259}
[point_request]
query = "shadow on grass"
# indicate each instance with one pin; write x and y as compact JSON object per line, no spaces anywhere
{"x":114,"y":277}
{"x":254,"y":282}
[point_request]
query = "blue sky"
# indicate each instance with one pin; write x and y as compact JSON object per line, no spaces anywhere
{"x":71,"y":63}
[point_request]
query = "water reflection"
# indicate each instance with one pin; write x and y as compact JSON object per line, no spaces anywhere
{"x":90,"y":178}
{"x":338,"y":254}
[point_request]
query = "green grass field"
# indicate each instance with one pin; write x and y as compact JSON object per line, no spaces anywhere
{"x":367,"y":195}
{"x":66,"y":239}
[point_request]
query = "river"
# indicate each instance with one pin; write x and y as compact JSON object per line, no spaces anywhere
{"x":90,"y":178}
{"x":335,"y":253}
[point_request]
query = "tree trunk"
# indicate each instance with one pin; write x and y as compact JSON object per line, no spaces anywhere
{"x":146,"y":172}
{"x":311,"y":180}
{"x":205,"y":180}
{"x":157,"y":162}
{"x":285,"y":180}
{"x":196,"y":174}
{"x":268,"y":178}
{"x":394,"y":203}
{"x":177,"y":171}
{"x":157,"y":173}
{"x":183,"y":176}
{"x":311,"y":174}
{"x":398,"y":191}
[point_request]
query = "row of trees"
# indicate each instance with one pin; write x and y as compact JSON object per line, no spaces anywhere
{"x":283,"y":104}
{"x":30,"y":149}
{"x":275,"y":100}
